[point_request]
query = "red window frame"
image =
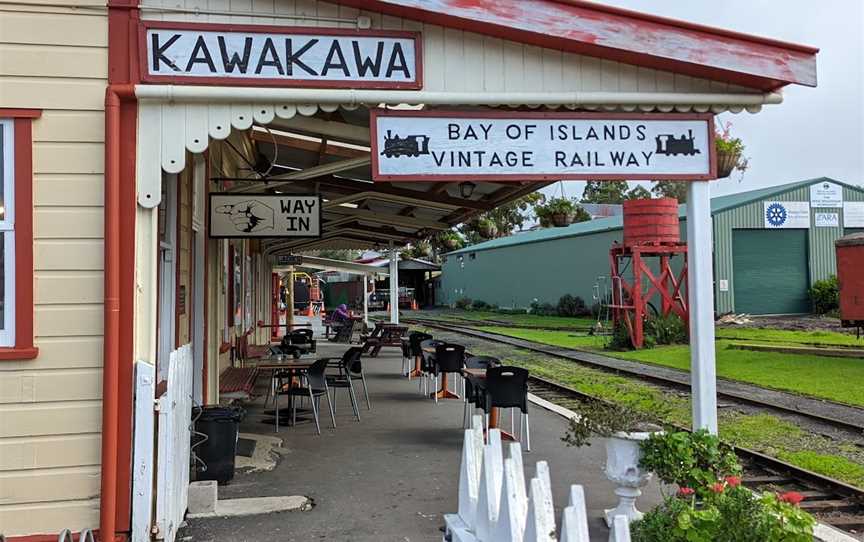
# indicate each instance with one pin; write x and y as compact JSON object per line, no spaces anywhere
{"x":23,"y":177}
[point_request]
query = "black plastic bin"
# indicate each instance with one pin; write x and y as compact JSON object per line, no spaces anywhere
{"x":215,"y":445}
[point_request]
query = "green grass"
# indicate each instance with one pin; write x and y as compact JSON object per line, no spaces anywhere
{"x":838,"y":468}
{"x":555,"y":338}
{"x":515,"y":319}
{"x":813,"y":338}
{"x":836,"y":379}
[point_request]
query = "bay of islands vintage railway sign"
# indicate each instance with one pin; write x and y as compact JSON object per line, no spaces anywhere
{"x":264,"y":215}
{"x":253,"y":55}
{"x":454,"y":146}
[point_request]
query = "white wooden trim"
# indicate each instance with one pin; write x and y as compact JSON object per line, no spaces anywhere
{"x":142,"y":458}
{"x":7,"y":229}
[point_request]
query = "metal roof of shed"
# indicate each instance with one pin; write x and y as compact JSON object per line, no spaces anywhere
{"x":718,"y":204}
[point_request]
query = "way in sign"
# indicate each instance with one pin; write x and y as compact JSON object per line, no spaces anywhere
{"x":593,"y":159}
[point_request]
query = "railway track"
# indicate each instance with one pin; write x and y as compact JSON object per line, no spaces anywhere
{"x":832,"y":414}
{"x":831,"y":501}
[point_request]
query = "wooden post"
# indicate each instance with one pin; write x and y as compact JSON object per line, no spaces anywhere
{"x":394,"y":285}
{"x":700,"y":291}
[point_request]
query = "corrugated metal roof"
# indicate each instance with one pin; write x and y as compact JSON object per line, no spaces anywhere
{"x":718,"y":204}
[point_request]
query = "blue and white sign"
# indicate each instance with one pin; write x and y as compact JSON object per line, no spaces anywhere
{"x":826,"y":194}
{"x":827,"y":220}
{"x":787,"y":214}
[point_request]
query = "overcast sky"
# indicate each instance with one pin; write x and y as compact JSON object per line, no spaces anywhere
{"x":815,"y":132}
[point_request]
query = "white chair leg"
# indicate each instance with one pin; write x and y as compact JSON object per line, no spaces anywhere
{"x":527,"y":434}
{"x":435,"y":389}
{"x":276,"y":403}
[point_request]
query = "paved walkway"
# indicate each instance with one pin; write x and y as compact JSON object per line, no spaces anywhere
{"x":392,"y":476}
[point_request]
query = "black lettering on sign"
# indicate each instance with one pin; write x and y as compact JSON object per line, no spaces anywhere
{"x":204,"y":58}
{"x":235,"y":61}
{"x":269,"y":57}
{"x":367,"y":64}
{"x":159,"y":52}
{"x":398,"y":62}
{"x":292,"y":58}
{"x":335,"y":50}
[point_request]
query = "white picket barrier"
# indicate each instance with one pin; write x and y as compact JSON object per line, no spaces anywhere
{"x":496,"y":505}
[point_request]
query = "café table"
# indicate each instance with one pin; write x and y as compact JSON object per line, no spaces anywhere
{"x":478,"y":377}
{"x":280,"y":365}
{"x":442,"y":393}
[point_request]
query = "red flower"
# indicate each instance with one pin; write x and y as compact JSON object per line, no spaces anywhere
{"x":792,"y":497}
{"x":686,"y":491}
{"x":718,"y":487}
{"x":733,"y":481}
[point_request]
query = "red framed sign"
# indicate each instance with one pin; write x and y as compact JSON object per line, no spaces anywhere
{"x":258,"y":55}
{"x":519,"y":146}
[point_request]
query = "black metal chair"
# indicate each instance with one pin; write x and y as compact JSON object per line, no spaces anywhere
{"x":415,"y":350}
{"x":449,"y":359}
{"x":475,"y":390}
{"x":303,"y":340}
{"x":316,"y":387}
{"x":507,"y":387}
{"x":427,"y":363}
{"x":343,"y":379}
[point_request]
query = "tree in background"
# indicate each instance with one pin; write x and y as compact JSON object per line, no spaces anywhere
{"x":345,"y":255}
{"x":638,"y":192}
{"x":604,"y":192}
{"x":671,"y":189}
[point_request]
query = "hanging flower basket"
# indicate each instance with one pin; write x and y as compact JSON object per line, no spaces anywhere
{"x":405,"y":255}
{"x":726,"y":163}
{"x":562,"y":220}
{"x":488,"y":230}
{"x":450,"y":243}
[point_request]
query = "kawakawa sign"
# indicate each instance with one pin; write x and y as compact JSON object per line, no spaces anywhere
{"x":518,"y":146}
{"x":264,"y":215}
{"x":254,"y":55}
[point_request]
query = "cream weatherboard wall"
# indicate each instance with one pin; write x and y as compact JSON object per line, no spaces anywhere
{"x":55,"y":59}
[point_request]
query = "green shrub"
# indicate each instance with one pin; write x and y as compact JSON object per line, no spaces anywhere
{"x":825,"y":295}
{"x":669,"y":329}
{"x":569,"y":305}
{"x":620,"y":339}
{"x":479,"y":305}
{"x":695,"y":460}
{"x":463,"y":303}
{"x":543,"y":309}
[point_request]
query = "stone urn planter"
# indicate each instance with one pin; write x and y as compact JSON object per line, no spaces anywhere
{"x":622,"y":469}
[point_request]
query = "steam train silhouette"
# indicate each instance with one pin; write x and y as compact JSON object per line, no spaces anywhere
{"x":670,"y":145}
{"x":412,"y":145}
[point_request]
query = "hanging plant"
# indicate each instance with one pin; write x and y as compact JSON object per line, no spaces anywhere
{"x":487,"y":228}
{"x":450,"y":240}
{"x":558,"y":212}
{"x":730,"y":152}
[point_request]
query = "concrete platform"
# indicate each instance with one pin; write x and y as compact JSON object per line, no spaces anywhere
{"x":392,"y":475}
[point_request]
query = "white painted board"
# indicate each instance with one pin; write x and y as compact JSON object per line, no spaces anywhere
{"x":826,"y":194}
{"x":455,"y":146}
{"x":827,"y":220}
{"x":853,"y":214}
{"x":264,"y":215}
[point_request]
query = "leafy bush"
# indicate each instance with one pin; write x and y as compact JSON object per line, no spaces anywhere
{"x":711,"y":504}
{"x":669,"y":329}
{"x":601,"y":419}
{"x":692,"y":460}
{"x":825,"y":295}
{"x":569,"y":305}
{"x":463,"y":303}
{"x":510,"y":310}
{"x":620,"y":339}
{"x":479,"y":305}
{"x":543,"y":309}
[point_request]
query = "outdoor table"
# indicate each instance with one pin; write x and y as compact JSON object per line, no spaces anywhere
{"x":296,"y":368}
{"x":443,"y":392}
{"x":477,"y":376}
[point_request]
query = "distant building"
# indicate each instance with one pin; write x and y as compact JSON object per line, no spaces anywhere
{"x":770,"y":245}
{"x":602,"y":210}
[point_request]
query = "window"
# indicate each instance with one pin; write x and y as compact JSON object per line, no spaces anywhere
{"x":16,"y":234}
{"x":7,"y":233}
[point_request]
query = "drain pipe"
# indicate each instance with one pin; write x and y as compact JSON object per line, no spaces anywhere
{"x":111,"y":340}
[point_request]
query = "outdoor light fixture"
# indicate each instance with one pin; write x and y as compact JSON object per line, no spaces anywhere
{"x":466,"y":189}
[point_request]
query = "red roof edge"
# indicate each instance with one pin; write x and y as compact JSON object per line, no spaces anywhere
{"x":687,"y":25}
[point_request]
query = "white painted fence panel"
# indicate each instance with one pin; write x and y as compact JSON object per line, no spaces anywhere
{"x":175,"y":414}
{"x":142,"y":459}
{"x":496,"y":505}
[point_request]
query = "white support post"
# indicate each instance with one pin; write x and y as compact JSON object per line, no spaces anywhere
{"x":394,"y":285}
{"x":365,"y":299}
{"x":700,"y":290}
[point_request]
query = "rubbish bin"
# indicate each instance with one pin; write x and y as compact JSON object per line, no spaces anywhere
{"x":214,"y":442}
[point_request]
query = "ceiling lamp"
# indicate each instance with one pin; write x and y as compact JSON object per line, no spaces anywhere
{"x":466,"y":189}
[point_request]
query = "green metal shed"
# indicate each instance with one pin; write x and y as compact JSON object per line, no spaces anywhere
{"x":760,"y":266}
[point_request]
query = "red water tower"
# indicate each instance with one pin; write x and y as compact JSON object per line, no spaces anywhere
{"x":850,"y":274}
{"x":651,"y":236}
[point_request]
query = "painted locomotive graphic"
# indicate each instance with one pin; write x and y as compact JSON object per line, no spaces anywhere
{"x":411,"y":145}
{"x":670,"y":145}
